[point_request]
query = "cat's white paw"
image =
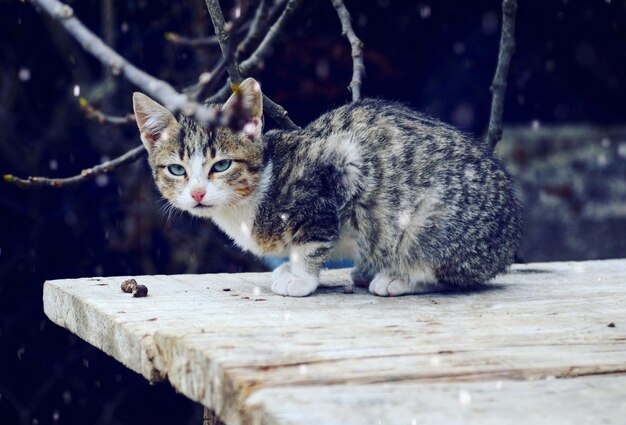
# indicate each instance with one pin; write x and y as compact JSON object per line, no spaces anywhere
{"x":387,"y":286}
{"x":286,"y":283}
{"x":420,"y":281}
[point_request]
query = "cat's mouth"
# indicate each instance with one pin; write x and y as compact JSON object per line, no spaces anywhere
{"x":202,"y":206}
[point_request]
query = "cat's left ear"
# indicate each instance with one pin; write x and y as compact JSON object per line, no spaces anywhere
{"x":247,"y":100}
{"x":152,"y":118}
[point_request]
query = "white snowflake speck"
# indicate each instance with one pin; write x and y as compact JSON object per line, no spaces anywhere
{"x":245,"y":229}
{"x":102,"y":180}
{"x":404,"y":218}
{"x":23,"y":74}
{"x":465,"y":398}
{"x":535,"y":124}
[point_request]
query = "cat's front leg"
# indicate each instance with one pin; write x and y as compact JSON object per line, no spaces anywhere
{"x":300,"y":276}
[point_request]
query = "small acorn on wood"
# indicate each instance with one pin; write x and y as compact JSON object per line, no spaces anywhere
{"x":129,"y":285}
{"x":140,"y":291}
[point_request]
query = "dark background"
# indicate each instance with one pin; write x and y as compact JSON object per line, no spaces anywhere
{"x":564,"y":142}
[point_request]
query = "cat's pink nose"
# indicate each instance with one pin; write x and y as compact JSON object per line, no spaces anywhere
{"x":197,"y":195}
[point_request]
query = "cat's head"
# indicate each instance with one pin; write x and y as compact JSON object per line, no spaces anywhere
{"x":198,"y":171}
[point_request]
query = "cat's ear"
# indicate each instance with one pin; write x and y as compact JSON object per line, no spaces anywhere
{"x":152,"y":118}
{"x":247,"y":100}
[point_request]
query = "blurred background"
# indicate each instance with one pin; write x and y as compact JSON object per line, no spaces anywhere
{"x":565,"y":141}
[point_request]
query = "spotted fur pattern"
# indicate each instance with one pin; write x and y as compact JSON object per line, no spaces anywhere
{"x":418,"y":205}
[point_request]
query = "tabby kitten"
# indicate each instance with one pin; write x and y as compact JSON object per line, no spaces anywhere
{"x":416,"y":204}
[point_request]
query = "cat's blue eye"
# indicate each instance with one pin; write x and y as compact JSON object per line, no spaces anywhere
{"x":176,"y":170}
{"x":223,"y":165}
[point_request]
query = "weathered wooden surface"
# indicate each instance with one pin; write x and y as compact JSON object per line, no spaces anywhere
{"x":545,"y":343}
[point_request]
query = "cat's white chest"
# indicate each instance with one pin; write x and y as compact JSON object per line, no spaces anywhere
{"x":237,"y":224}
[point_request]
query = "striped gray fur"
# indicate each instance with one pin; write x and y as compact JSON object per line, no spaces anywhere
{"x":418,"y":205}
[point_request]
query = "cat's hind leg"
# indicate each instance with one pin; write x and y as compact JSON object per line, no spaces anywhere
{"x":361,"y":277}
{"x":418,"y":281}
{"x":362,"y":273}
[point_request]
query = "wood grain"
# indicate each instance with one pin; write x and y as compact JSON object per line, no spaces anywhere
{"x":532,"y":347}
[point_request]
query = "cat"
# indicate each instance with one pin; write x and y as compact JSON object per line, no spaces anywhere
{"x":418,"y":205}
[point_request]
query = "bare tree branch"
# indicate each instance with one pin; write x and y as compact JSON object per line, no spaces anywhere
{"x":224,"y":38}
{"x":358,"y":66}
{"x":498,"y":87}
{"x":159,"y":89}
{"x":210,"y":41}
{"x":229,"y":56}
{"x":162,"y":91}
{"x":85,"y":175}
{"x":274,"y":110}
{"x":181,"y":40}
{"x":255,"y":61}
{"x":257,"y":26}
{"x":221,"y":95}
{"x":102,"y":118}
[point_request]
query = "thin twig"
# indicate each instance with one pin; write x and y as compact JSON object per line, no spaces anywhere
{"x":224,"y":38}
{"x":255,"y":61}
{"x":274,"y":110}
{"x":221,"y":95}
{"x":498,"y":87}
{"x":181,"y":40}
{"x":102,"y":118}
{"x":229,"y":56}
{"x":159,"y":89}
{"x":85,"y":175}
{"x":358,"y":66}
{"x":257,"y":26}
{"x":210,"y":41}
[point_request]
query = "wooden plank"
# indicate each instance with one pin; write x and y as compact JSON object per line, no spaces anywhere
{"x":236,"y":351}
{"x":587,"y":400}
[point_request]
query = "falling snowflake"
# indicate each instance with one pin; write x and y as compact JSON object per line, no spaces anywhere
{"x":102,"y":180}
{"x":465,"y":398}
{"x":23,"y":74}
{"x":535,"y":124}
